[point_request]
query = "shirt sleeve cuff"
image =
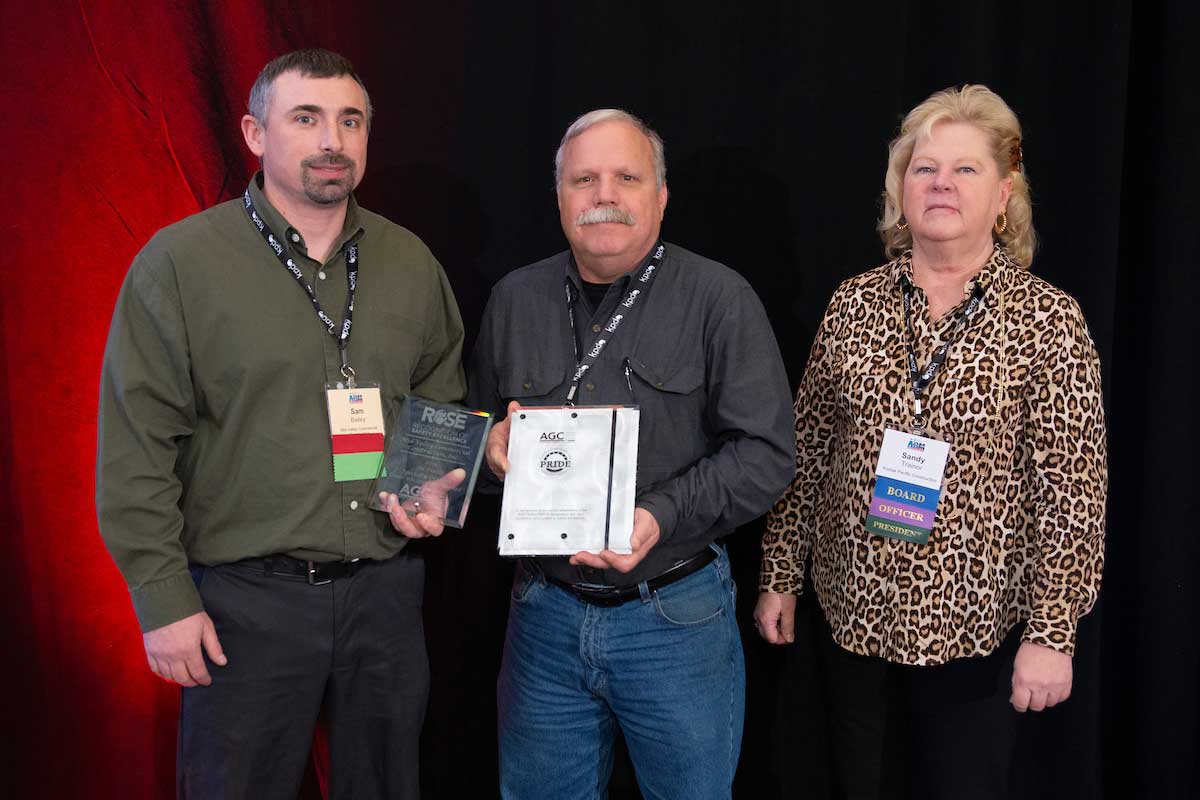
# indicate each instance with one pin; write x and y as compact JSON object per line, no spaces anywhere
{"x":166,"y":601}
{"x":1056,"y":634}
{"x":664,"y":514}
{"x":779,"y":575}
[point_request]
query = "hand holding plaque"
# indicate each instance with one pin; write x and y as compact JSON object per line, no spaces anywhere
{"x":646,"y":533}
{"x":431,"y":461}
{"x":570,"y":484}
{"x":425,"y":514}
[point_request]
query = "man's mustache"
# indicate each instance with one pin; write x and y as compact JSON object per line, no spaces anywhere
{"x":328,"y":160}
{"x":598,"y":214}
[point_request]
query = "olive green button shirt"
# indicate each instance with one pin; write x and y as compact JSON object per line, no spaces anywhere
{"x":214,"y":440}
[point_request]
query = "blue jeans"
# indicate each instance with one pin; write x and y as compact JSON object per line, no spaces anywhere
{"x":668,"y":669}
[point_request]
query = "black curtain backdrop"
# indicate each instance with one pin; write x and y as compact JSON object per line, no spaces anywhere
{"x":776,"y":118}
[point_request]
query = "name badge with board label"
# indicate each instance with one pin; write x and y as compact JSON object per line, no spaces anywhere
{"x":356,"y":431}
{"x":908,"y":485}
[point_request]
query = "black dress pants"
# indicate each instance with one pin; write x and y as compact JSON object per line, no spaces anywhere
{"x":355,"y":647}
{"x":896,"y":731}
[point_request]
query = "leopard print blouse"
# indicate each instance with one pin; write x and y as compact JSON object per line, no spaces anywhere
{"x":1019,"y":531}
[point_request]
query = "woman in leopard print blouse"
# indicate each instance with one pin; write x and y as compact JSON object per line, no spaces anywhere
{"x":944,"y":642}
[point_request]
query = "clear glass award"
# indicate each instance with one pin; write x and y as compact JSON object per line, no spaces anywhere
{"x":571,"y":477}
{"x":432,"y":459}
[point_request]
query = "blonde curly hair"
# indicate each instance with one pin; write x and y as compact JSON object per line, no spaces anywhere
{"x":979,"y":106}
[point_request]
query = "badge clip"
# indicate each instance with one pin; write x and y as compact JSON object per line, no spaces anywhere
{"x":920,"y":418}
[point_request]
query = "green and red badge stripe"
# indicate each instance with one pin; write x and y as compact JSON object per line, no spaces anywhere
{"x":357,"y":456}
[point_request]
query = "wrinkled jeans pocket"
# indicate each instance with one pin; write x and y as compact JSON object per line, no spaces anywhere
{"x":698,"y":599}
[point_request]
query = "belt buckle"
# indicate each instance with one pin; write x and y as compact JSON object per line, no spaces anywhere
{"x":332,"y":569}
{"x":607,"y":597}
{"x":313,"y":567}
{"x":611,"y":600}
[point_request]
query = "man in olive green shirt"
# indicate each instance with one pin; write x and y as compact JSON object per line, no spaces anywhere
{"x":262,"y":586}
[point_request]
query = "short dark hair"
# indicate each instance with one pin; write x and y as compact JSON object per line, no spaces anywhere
{"x":310,"y":63}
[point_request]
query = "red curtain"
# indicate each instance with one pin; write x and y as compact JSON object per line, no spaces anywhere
{"x":120,"y":119}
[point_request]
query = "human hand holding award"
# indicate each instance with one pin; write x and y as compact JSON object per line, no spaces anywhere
{"x":572,"y":472}
{"x":431,"y":461}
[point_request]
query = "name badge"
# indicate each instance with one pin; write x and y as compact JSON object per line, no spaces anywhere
{"x":908,"y":485}
{"x":356,"y":431}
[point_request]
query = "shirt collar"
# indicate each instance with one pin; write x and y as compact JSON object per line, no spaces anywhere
{"x":575,"y":278}
{"x":992,"y":269}
{"x":352,"y":229}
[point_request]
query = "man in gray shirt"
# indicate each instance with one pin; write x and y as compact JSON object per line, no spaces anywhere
{"x":646,"y":640}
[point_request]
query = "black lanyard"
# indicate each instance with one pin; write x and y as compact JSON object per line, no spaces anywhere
{"x":619,"y":317}
{"x":921,"y":378}
{"x":343,"y":336}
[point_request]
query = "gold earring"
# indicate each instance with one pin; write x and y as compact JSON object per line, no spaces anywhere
{"x":1003,"y":224}
{"x":902,"y":224}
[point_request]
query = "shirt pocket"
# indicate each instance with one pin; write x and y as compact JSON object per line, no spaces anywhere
{"x":675,"y":380}
{"x":982,"y":450}
{"x":972,"y":414}
{"x":671,"y":431}
{"x":872,"y":394}
{"x":967,"y":396}
{"x":397,"y":346}
{"x":533,"y":384}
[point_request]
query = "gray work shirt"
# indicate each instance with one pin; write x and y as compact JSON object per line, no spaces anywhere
{"x":716,"y":445}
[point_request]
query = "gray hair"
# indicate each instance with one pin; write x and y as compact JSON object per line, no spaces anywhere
{"x":657,"y":150}
{"x":312,"y":63}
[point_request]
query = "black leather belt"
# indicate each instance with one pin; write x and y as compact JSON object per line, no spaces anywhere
{"x":614,"y":596}
{"x":317,"y":573}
